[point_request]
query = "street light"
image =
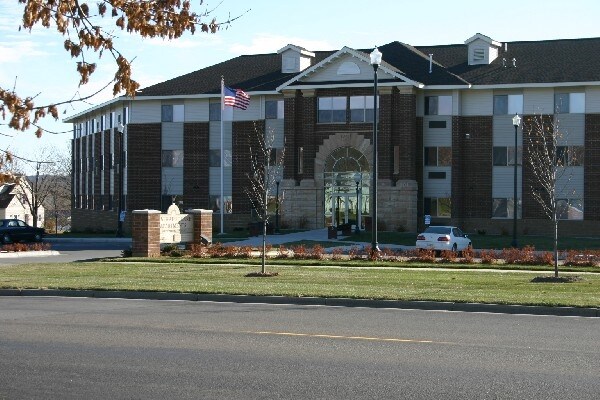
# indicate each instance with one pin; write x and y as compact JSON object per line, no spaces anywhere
{"x":277,"y":182}
{"x":357,"y":179}
{"x":375,"y":62}
{"x":516,"y":122}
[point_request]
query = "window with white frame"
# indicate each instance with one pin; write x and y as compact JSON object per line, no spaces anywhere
{"x":570,"y":209}
{"x":504,"y":208}
{"x":437,"y":156}
{"x":438,"y":105}
{"x":274,"y":109}
{"x":437,"y":207}
{"x":172,"y":158}
{"x":172,"y":113}
{"x":505,"y":155}
{"x":569,"y":103}
{"x":332,"y":109}
{"x":362,"y":108}
{"x":508,"y":104}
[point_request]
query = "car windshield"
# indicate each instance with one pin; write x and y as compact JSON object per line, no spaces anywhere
{"x":442,"y":230}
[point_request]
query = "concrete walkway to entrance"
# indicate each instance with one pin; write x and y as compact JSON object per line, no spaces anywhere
{"x":317,"y":235}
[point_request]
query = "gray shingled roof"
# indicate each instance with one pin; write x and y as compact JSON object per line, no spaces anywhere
{"x":549,"y":61}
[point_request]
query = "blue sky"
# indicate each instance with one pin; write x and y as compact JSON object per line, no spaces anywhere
{"x":36,"y":63}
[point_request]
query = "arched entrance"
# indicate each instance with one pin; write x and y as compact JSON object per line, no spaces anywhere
{"x":346,"y":178}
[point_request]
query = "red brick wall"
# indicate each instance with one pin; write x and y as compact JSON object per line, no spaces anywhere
{"x":471,"y":167}
{"x":244,"y":141}
{"x":195,"y":165}
{"x":144,"y":166}
{"x":292,"y":133}
{"x":404,"y":128}
{"x":106,"y":170}
{"x":96,"y":169}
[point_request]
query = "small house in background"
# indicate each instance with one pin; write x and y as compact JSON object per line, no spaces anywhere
{"x":13,"y":204}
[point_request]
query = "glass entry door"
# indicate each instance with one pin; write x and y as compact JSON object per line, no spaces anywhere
{"x":343,"y":208}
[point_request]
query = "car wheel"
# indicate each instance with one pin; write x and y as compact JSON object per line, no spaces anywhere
{"x":37,"y":237}
{"x":454,"y":248}
{"x":6,"y":238}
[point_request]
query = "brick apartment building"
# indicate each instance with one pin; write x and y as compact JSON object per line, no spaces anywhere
{"x":445,"y":135}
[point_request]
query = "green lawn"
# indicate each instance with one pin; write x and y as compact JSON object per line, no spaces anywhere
{"x":371,"y":283}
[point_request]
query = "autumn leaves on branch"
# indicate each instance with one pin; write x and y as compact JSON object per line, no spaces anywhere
{"x":77,"y":20}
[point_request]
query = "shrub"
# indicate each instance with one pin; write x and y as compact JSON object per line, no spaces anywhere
{"x":511,"y":255}
{"x":355,"y":253}
{"x":198,"y":250}
{"x":316,"y":252}
{"x":299,"y":251}
{"x":425,"y":255}
{"x":487,"y":256}
{"x":337,"y":253}
{"x":545,"y":258}
{"x":447,"y":256}
{"x":587,"y":258}
{"x":388,"y":254}
{"x":282,"y":252}
{"x":468,"y":255}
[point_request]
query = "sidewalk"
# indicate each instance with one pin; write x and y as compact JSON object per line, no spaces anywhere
{"x":318,"y":235}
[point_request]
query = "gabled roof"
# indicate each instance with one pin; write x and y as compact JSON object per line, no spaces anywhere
{"x":548,"y":61}
{"x":6,"y":194}
{"x":484,"y":38}
{"x":540,"y":62}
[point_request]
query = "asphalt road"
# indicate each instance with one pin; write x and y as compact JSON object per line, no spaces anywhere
{"x":73,"y":348}
{"x":74,"y":249}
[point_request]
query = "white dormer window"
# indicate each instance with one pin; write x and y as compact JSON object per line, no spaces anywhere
{"x":482,"y":49}
{"x":295,"y":58}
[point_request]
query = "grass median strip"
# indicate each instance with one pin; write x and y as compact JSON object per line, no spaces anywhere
{"x":364,"y":283}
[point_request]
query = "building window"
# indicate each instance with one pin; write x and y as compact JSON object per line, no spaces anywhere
{"x":300,"y":160}
{"x":437,"y":156}
{"x":274,"y":109}
{"x":573,"y":103}
{"x":215,"y":204}
{"x":508,"y":104}
{"x":362,"y":108}
{"x":172,"y":113}
{"x":214,"y":112}
{"x":437,"y":207}
{"x":504,"y":207}
{"x":438,"y":105}
{"x":569,"y":156}
{"x":437,"y":124}
{"x":504,"y":156}
{"x":569,"y":209}
{"x":172,"y":158}
{"x":332,"y":109}
{"x":214,"y":158}
{"x":436,"y":175}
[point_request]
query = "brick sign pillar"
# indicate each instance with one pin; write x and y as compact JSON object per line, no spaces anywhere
{"x":145,"y":226}
{"x":202,"y":224}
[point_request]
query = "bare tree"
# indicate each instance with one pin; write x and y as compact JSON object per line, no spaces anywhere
{"x":49,"y":184}
{"x":58,"y":201}
{"x":89,"y":28}
{"x":266,"y":168}
{"x":549,"y":158}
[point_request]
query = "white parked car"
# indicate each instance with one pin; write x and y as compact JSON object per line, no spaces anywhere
{"x":443,"y":238}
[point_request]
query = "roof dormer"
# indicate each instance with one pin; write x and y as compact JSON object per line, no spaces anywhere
{"x":295,"y":59}
{"x":482,"y":49}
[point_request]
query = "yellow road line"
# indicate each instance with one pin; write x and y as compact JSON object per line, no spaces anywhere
{"x":324,"y":336}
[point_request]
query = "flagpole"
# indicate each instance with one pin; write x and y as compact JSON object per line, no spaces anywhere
{"x":222,"y":202}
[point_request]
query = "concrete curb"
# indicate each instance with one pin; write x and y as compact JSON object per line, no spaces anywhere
{"x":18,"y":254}
{"x":337,"y":302}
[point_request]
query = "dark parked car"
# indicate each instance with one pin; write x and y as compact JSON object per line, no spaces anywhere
{"x":15,"y":230}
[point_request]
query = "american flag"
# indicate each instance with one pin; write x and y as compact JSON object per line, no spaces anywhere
{"x":235,"y":98}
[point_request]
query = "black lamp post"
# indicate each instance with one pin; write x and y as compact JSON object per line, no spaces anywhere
{"x":357,"y":179}
{"x":516,"y":122}
{"x":277,"y":182}
{"x":375,"y":62}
